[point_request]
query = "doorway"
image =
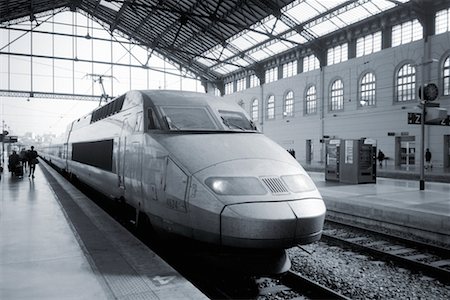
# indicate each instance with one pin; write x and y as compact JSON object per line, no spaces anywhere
{"x":447,"y":151}
{"x":309,"y":151}
{"x":405,"y":150}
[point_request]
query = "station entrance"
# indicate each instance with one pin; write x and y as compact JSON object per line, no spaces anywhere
{"x":446,"y":151}
{"x":405,"y":151}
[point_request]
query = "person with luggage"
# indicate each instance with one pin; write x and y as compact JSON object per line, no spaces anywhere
{"x":32,"y":161}
{"x":14,"y":164}
{"x":23,"y":157}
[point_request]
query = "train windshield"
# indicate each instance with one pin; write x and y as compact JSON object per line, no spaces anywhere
{"x":188,"y":118}
{"x":236,"y":120}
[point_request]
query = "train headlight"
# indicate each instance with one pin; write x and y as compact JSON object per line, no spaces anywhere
{"x":299,"y":183}
{"x":236,"y":185}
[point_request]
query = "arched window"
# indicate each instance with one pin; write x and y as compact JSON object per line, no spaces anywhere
{"x":406,"y":83}
{"x":337,"y":95}
{"x":289,"y":104}
{"x":255,"y":109}
{"x":367,"y":90}
{"x":271,"y":107}
{"x":311,"y":100}
{"x":446,"y":76}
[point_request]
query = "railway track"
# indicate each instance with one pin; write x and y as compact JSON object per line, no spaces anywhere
{"x":307,"y":287}
{"x":418,"y":256}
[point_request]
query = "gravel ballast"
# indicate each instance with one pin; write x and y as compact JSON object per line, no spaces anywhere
{"x":362,"y":277}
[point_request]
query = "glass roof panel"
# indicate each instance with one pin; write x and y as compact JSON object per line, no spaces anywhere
{"x":219,"y":53}
{"x":279,"y":47}
{"x":301,"y":12}
{"x":272,"y":25}
{"x":111,"y":5}
{"x":225,"y":68}
{"x":323,"y":28}
{"x":295,"y":37}
{"x":260,"y":54}
{"x":326,"y":5}
{"x":354,"y":15}
{"x":206,"y":62}
{"x":248,"y":39}
{"x":241,"y":62}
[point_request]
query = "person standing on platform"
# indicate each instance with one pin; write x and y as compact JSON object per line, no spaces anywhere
{"x":380,"y":157}
{"x":32,"y":161}
{"x":428,"y":159}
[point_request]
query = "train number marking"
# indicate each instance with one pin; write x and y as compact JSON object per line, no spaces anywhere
{"x":163,"y":280}
{"x":176,"y":204}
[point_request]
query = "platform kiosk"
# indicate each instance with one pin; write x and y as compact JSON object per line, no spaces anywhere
{"x":332,"y":161}
{"x":358,"y":161}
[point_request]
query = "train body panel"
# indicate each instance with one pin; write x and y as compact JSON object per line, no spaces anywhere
{"x":196,"y":166}
{"x":216,"y":148}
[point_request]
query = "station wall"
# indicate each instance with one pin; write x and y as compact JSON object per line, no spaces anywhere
{"x":386,"y":121}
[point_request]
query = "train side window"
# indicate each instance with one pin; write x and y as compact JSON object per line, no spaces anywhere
{"x":152,"y":120}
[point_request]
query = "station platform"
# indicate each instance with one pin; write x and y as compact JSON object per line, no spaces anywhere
{"x":396,"y":204}
{"x":56,"y":244}
{"x":412,"y":172}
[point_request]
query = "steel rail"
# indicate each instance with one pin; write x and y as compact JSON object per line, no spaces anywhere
{"x":399,"y":255}
{"x":308,"y":287}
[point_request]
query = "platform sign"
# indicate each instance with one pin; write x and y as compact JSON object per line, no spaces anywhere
{"x":414,"y":118}
{"x":10,"y":139}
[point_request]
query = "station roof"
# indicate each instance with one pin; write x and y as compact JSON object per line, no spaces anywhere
{"x":212,"y":38}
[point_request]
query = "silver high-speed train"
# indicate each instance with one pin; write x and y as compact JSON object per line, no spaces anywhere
{"x":193,"y":165}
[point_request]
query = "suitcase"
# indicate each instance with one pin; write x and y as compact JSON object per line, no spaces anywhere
{"x":18,"y":171}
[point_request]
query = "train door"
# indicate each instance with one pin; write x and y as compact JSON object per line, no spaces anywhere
{"x":121,"y":162}
{"x":133,"y":162}
{"x":121,"y":157}
{"x":447,"y":151}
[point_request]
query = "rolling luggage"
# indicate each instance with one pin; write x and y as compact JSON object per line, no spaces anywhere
{"x":18,"y":171}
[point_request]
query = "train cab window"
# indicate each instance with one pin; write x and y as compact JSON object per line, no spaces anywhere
{"x":236,"y":120}
{"x":152,"y":120}
{"x":188,"y":118}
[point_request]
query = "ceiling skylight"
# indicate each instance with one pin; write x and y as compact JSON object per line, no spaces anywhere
{"x":112,"y":5}
{"x":272,"y":35}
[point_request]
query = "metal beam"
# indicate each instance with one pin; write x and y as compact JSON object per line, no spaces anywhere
{"x":89,"y":61}
{"x":47,"y":95}
{"x":119,"y":14}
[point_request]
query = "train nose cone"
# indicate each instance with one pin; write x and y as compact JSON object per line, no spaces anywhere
{"x":310,"y":215}
{"x":258,"y":225}
{"x":272,"y":224}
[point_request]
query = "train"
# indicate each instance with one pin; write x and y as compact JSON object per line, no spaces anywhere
{"x":195,"y":166}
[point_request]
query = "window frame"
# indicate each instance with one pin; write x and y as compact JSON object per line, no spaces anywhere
{"x":254,"y":109}
{"x":412,"y":91}
{"x":361,"y":89}
{"x":309,"y":63}
{"x":406,"y":32}
{"x":445,"y":78}
{"x":290,"y":69}
{"x":340,"y":104}
{"x":308,"y":101}
{"x":291,"y":104}
{"x":270,"y":109}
